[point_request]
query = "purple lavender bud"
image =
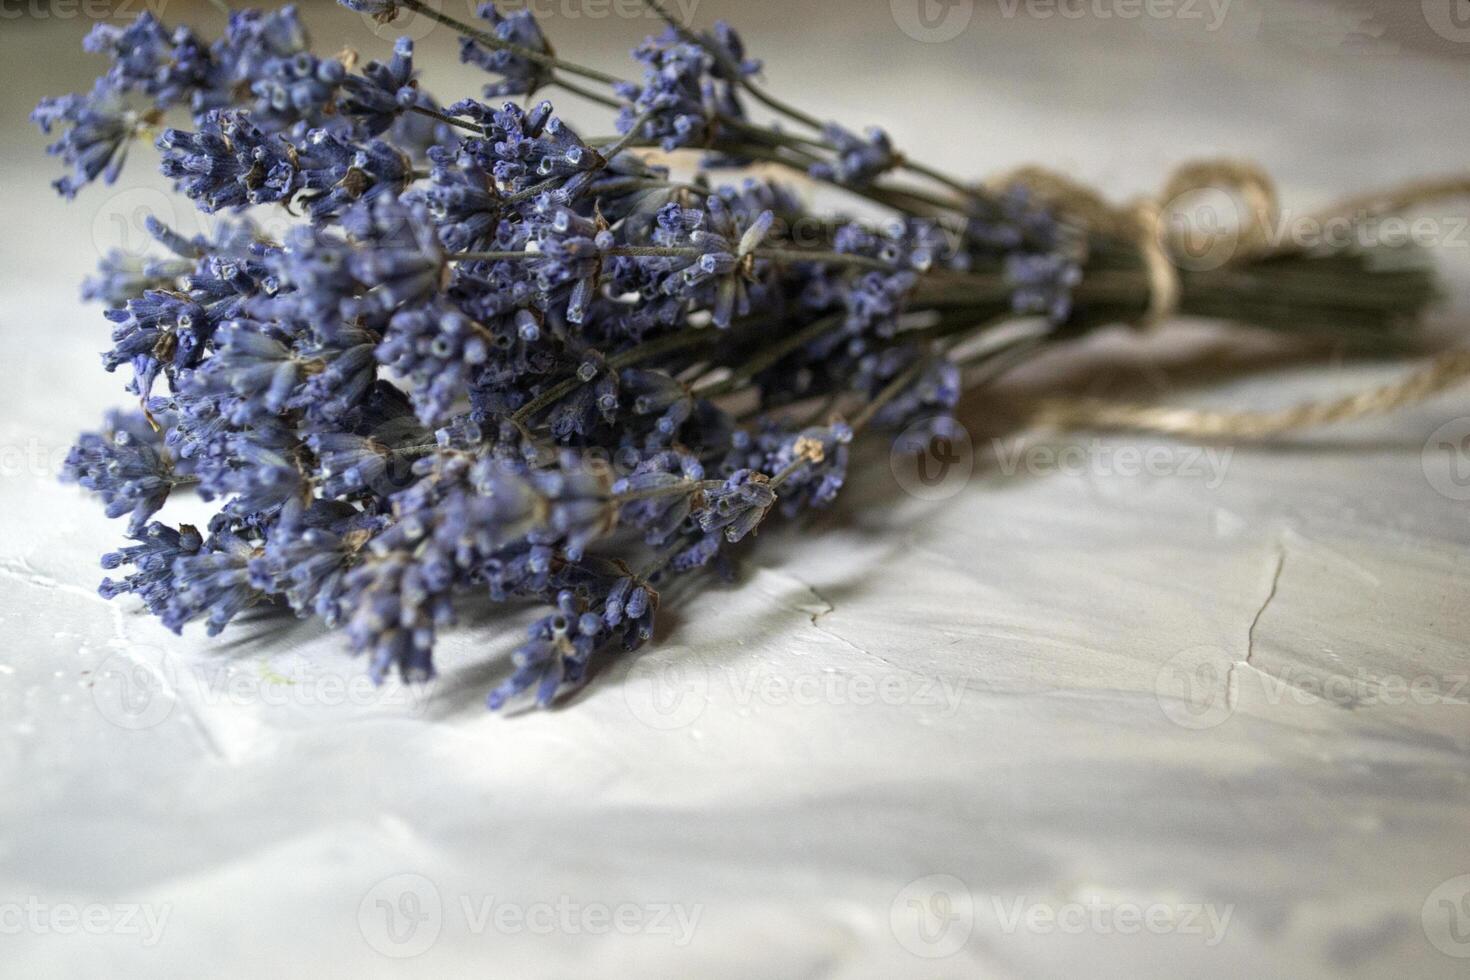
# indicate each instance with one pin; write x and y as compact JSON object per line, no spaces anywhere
{"x":519,"y":75}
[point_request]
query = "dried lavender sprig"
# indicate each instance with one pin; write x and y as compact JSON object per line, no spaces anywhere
{"x":759,"y":93}
{"x":966,"y":193}
{"x":386,"y":8}
{"x":543,"y":303}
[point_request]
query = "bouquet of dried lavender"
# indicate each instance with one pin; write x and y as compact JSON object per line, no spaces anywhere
{"x":493,"y":357}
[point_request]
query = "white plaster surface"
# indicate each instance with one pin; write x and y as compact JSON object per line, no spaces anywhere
{"x":1210,"y":721}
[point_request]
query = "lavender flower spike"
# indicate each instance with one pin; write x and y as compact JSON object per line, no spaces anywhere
{"x":473,"y":356}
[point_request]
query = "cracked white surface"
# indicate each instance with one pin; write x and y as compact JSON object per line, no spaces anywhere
{"x":1078,"y":695}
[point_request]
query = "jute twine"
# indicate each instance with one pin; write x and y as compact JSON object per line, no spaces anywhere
{"x":1143,"y":222}
{"x":1441,"y":374}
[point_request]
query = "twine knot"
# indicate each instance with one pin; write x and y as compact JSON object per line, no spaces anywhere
{"x":1163,"y":245}
{"x":1165,"y":248}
